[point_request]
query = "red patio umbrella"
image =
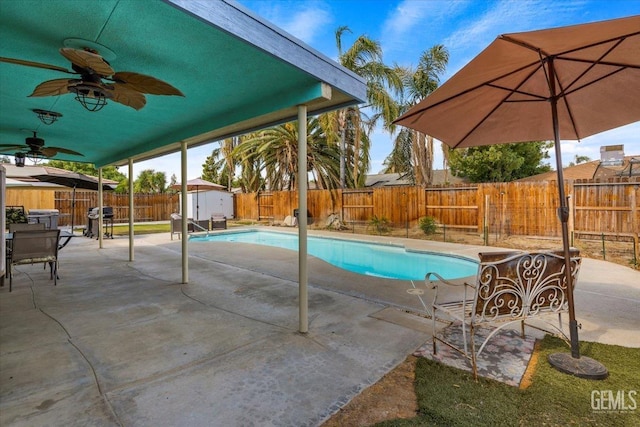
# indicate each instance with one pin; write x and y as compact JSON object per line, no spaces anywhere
{"x":569,"y":82}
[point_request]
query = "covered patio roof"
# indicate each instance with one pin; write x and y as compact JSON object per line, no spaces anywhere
{"x":237,"y":72}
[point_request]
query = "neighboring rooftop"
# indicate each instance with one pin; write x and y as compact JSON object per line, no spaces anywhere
{"x":440,"y":177}
{"x":595,"y":169}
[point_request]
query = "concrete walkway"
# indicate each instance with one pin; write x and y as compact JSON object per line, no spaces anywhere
{"x":120,"y":343}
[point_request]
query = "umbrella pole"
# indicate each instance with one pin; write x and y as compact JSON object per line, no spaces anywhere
{"x":583,"y":367}
{"x":563,"y":213}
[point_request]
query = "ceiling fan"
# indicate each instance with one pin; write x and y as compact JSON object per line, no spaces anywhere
{"x":34,"y":148}
{"x":96,"y":81}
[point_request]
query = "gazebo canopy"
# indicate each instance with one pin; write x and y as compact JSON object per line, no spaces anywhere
{"x":237,"y":72}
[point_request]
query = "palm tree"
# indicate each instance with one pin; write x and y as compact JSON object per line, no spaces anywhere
{"x":418,"y":84}
{"x":212,"y":167}
{"x":364,"y":58}
{"x":250,"y":179}
{"x":219,"y":167}
{"x":277,"y":151}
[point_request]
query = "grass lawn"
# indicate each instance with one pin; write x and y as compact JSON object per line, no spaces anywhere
{"x":142,"y":228}
{"x":123,"y":230}
{"x":450,"y":397}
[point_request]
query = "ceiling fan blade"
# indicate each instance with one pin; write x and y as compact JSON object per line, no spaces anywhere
{"x":35,"y":64}
{"x":52,"y":151}
{"x":12,"y":147}
{"x":52,"y":87}
{"x":145,"y":84}
{"x":87,"y":60}
{"x":126,"y":96}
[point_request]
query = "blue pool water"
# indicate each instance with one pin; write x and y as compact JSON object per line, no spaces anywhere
{"x":388,"y":261}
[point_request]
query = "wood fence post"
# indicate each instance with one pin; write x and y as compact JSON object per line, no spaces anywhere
{"x":572,"y":211}
{"x":635,"y":227}
{"x":485,"y":227}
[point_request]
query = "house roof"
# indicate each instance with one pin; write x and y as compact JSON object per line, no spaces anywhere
{"x":440,"y":177}
{"x":237,"y":72}
{"x":386,"y":180}
{"x":593,"y":170}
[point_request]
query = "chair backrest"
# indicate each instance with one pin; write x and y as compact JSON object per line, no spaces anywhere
{"x":176,"y":223}
{"x":34,"y":246}
{"x":19,"y":226}
{"x":518,"y":284}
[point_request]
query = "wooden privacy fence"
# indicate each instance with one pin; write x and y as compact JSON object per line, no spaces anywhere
{"x":147,"y":207}
{"x":515,"y":208}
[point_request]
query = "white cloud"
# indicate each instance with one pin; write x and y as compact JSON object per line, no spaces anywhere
{"x":421,"y":21}
{"x":305,"y":20}
{"x":308,"y":24}
{"x":506,"y":16}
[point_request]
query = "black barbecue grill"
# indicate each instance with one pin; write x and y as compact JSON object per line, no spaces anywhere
{"x":93,"y":222}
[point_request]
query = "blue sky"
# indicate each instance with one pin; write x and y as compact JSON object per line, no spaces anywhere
{"x":406,"y":28}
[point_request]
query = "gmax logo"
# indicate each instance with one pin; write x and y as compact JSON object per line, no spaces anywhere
{"x":617,"y":401}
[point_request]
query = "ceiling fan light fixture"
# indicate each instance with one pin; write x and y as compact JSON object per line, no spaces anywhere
{"x":93,"y":98}
{"x":35,"y":156}
{"x":47,"y":117}
{"x":20,"y":159}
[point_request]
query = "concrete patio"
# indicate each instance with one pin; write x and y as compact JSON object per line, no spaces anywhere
{"x":124,"y":343}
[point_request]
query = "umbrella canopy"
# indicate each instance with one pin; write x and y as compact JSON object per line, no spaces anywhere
{"x":74,"y":180}
{"x":572,"y":82}
{"x":198,"y":184}
{"x":504,"y":94}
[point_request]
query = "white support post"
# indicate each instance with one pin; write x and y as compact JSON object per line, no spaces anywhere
{"x":183,"y":209}
{"x":302,"y":218}
{"x":131,"y":212}
{"x":100,"y":206}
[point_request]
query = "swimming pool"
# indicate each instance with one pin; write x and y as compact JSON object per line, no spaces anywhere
{"x":371,"y":259}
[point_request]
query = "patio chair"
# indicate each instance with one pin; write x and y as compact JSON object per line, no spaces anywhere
{"x":218,"y":221}
{"x":510,"y":287}
{"x":34,"y":246}
{"x":22,"y":226}
{"x":176,"y":225}
{"x":27,"y":226}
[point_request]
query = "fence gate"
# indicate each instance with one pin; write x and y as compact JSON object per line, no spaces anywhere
{"x":265,"y":206}
{"x":357,"y":205}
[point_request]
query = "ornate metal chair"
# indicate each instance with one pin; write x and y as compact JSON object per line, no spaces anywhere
{"x":510,"y":287}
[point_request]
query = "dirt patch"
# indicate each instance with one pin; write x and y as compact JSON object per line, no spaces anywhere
{"x":390,"y":398}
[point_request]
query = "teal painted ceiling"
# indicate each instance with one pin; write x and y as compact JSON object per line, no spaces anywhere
{"x":237,"y":72}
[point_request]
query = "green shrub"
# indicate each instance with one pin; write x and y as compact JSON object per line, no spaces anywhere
{"x":428,"y":224}
{"x":380,"y":224}
{"x":16,"y":216}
